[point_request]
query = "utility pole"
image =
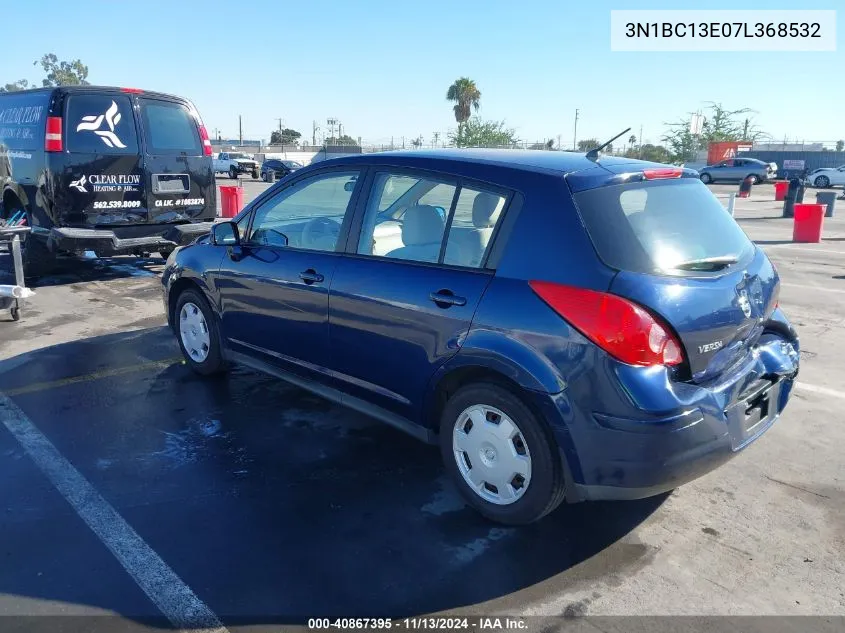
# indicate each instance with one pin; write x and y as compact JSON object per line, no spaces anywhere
{"x":575,"y":132}
{"x":745,"y":131}
{"x":436,"y":138}
{"x":558,"y":141}
{"x":314,"y":129}
{"x":640,"y":148}
{"x":240,"y":130}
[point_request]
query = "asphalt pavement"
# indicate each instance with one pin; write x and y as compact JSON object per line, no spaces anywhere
{"x":140,"y":494}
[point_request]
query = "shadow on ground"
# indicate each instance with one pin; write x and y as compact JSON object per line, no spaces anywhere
{"x":273,"y":505}
{"x":69,"y":270}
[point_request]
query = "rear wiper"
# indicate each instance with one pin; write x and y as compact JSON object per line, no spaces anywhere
{"x":707,"y":263}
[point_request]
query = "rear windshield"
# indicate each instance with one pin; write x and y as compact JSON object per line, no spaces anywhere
{"x":170,"y":128}
{"x":661,"y":227}
{"x":100,"y":124}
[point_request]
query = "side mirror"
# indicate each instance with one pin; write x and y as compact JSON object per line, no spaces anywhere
{"x":225,"y":234}
{"x":349,"y":185}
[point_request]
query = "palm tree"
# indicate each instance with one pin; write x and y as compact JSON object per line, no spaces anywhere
{"x":632,"y":139}
{"x":466,"y":97}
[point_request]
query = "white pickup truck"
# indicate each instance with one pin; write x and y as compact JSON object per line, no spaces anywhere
{"x":235,"y":163}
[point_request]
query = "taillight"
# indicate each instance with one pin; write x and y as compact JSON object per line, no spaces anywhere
{"x":662,"y":173}
{"x":206,"y":143}
{"x":53,"y":134}
{"x":620,"y":327}
{"x":132,"y":91}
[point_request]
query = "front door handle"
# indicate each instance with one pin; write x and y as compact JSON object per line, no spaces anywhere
{"x":311,"y":276}
{"x":446,"y":298}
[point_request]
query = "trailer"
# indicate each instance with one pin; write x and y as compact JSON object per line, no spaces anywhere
{"x":11,"y":296}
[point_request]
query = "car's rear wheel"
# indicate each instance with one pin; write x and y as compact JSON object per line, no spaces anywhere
{"x":38,"y":260}
{"x":500,"y":455}
{"x":233,"y":173}
{"x":196,"y":329}
{"x":706,"y":179}
{"x":264,"y":176}
{"x":822,"y":182}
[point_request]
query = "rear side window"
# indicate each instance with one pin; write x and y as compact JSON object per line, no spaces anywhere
{"x":170,"y":128}
{"x":100,"y":124}
{"x":22,"y":121}
{"x":664,"y":227}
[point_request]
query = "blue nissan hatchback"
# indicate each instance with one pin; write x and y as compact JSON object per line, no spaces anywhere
{"x":564,"y":327}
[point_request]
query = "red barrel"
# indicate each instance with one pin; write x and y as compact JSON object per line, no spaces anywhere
{"x":780,"y":189}
{"x":231,"y":200}
{"x":808,"y":223}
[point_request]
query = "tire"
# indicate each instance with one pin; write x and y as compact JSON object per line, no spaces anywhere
{"x":16,"y":313}
{"x":165,"y":253}
{"x":515,"y":505}
{"x":706,"y":179}
{"x":233,"y":173}
{"x":255,"y":175}
{"x":264,"y":176}
{"x":191,"y":341}
{"x":822,"y":182}
{"x":38,"y":260}
{"x":754,"y":178}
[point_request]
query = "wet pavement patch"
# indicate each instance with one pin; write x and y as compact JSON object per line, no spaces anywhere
{"x":271,"y":504}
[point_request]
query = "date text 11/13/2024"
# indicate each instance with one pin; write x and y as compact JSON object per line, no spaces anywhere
{"x":419,"y":623}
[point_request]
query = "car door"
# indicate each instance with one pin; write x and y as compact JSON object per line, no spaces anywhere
{"x":399,"y":311}
{"x":273,"y":287}
{"x":838,"y":177}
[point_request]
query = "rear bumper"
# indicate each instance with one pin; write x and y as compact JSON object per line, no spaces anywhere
{"x":107,"y":242}
{"x":614,"y":457}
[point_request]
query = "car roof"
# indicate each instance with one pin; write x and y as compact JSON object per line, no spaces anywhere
{"x":540,"y":161}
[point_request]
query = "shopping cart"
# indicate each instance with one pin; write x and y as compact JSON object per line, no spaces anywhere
{"x":11,"y":296}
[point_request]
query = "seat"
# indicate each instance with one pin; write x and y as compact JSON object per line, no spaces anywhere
{"x":422,"y":233}
{"x":467,"y":247}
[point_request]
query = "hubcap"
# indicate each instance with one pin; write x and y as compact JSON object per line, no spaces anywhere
{"x":194,"y":332}
{"x":491,"y":454}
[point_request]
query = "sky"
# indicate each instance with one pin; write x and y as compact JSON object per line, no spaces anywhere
{"x":383,"y":67}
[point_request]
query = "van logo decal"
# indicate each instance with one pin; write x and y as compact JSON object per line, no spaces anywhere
{"x":79,"y":184}
{"x":93,"y":122}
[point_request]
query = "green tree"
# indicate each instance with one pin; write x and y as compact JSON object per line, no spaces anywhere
{"x":478,"y":133}
{"x":343,"y":139}
{"x":286,"y":136}
{"x":840,"y":145}
{"x":467,"y":97}
{"x":20,"y":84}
{"x":654,"y":153}
{"x":585,"y":145}
{"x":632,"y":140}
{"x":720,"y":125}
{"x":62,"y":73}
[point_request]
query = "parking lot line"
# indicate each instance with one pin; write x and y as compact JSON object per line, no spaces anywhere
{"x":790,"y":247}
{"x":161,"y":584}
{"x":821,"y":288}
{"x":821,"y":390}
{"x":105,"y":373}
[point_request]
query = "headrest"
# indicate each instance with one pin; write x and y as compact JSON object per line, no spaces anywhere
{"x":485,"y":210}
{"x":422,"y":225}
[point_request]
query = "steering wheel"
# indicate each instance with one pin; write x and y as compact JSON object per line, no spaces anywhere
{"x":320,"y":234}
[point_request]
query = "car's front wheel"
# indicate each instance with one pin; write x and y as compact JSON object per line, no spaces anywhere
{"x":503,"y":459}
{"x":233,"y":173}
{"x":754,"y":178}
{"x":706,"y":179}
{"x":822,"y":182}
{"x":196,"y":329}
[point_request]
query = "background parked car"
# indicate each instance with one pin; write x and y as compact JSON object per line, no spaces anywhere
{"x":826,"y":177}
{"x":235,"y":163}
{"x":281,"y":167}
{"x":736,"y":170}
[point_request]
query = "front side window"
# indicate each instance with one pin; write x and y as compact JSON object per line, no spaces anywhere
{"x":100,"y":124}
{"x":306,"y":215}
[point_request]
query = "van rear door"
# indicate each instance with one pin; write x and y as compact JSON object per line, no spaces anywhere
{"x":180,"y":180}
{"x":99,"y":179}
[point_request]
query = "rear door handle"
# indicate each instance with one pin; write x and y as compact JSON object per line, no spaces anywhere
{"x":311,"y":276}
{"x":446,"y":298}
